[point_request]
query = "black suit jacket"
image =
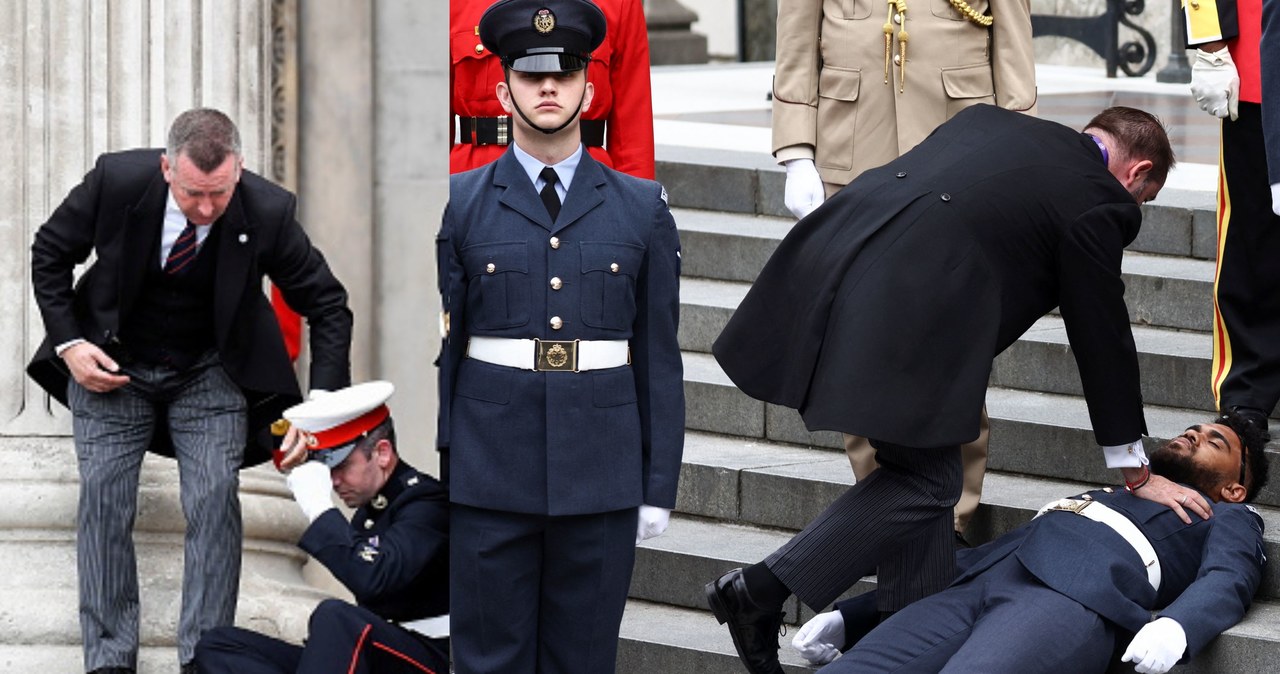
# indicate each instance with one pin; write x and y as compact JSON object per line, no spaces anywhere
{"x":880,"y":313}
{"x":114,"y":213}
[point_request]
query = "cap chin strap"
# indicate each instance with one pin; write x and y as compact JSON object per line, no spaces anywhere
{"x":528,"y":121}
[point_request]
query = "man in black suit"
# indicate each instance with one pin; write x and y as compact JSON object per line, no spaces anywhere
{"x":1071,"y":577}
{"x":168,"y":343}
{"x":880,"y":313}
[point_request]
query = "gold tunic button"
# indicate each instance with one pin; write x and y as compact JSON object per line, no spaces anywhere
{"x":614,"y":267}
{"x":555,"y":242}
{"x":897,"y":59}
{"x":479,"y":49}
{"x":491,"y":268}
{"x":368,"y":524}
{"x":897,"y":18}
{"x":555,"y":283}
{"x":556,"y":323}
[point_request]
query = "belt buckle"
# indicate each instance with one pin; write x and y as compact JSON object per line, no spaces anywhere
{"x":1071,"y":505}
{"x":555,"y":356}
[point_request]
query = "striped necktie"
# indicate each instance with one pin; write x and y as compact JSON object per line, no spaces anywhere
{"x":183,"y":252}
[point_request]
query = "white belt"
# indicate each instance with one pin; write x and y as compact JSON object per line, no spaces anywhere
{"x":547,"y":355}
{"x":435,"y":627}
{"x":1099,"y":512}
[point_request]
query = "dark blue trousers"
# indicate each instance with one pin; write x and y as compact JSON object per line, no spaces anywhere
{"x":1003,"y":620}
{"x":538,"y":593}
{"x":342,"y":639}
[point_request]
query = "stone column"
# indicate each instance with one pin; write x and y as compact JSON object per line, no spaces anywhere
{"x":671,"y":40}
{"x":81,"y":78}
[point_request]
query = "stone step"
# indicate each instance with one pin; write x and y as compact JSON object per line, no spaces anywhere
{"x":1161,"y":291}
{"x":1175,"y":365}
{"x":661,"y":638}
{"x":769,"y":490}
{"x":730,"y":185}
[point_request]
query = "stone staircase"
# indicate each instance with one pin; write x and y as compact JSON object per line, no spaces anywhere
{"x":753,"y":474}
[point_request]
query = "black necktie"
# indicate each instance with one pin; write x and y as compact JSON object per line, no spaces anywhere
{"x":549,"y":197}
{"x":183,"y":251}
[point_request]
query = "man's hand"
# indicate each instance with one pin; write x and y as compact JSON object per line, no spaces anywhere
{"x":1157,"y":646}
{"x":818,"y":641}
{"x":293,"y":449}
{"x":1215,"y":84}
{"x":804,"y":191}
{"x":652,"y":522}
{"x":93,"y":368}
{"x":312,"y":488}
{"x":1178,"y":498}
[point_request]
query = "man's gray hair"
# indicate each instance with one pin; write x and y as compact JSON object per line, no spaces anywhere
{"x":206,"y":136}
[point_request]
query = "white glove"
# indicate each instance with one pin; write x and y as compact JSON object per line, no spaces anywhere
{"x":1157,"y":646}
{"x":1275,"y":198}
{"x":652,"y":522}
{"x":1215,"y":84}
{"x":312,"y":488}
{"x":817,"y":640}
{"x":317,"y":393}
{"x":804,"y":191}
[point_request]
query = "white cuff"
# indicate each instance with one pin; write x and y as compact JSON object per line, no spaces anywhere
{"x":57,"y":350}
{"x":1131,"y":455}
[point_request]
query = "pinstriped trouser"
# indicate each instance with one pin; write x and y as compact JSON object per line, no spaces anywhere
{"x":897,"y":521}
{"x":205,"y":414}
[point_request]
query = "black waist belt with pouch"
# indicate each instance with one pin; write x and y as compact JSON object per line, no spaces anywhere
{"x":497,"y":131}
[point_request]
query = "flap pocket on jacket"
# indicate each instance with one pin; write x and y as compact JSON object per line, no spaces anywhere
{"x":839,"y":83}
{"x":613,"y":388}
{"x":968,"y":81}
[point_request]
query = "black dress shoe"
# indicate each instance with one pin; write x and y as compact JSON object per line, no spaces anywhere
{"x":189,"y":668}
{"x":754,"y":629}
{"x":1254,"y":417}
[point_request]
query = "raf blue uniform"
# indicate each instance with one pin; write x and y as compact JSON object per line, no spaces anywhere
{"x":548,"y":468}
{"x":393,"y":557}
{"x":1063,"y":586}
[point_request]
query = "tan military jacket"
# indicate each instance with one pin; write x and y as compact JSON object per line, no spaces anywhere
{"x":830,"y":100}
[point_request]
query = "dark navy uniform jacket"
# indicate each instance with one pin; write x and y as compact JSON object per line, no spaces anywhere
{"x":393,"y":558}
{"x":1210,"y":568}
{"x":561,"y":443}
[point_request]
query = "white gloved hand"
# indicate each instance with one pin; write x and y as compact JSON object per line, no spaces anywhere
{"x":312,"y":488}
{"x":317,"y":393}
{"x":652,"y":522}
{"x":804,"y":191}
{"x":1157,"y":646}
{"x":1275,"y":198}
{"x":818,"y":641}
{"x":1215,"y":84}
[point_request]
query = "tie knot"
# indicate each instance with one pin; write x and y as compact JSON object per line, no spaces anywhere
{"x":549,"y":175}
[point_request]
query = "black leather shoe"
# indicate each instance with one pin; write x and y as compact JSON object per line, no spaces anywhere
{"x":189,"y":668}
{"x":1255,"y":418}
{"x":754,"y":629}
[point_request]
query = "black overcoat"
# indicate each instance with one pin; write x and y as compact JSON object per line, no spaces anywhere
{"x":880,"y":313}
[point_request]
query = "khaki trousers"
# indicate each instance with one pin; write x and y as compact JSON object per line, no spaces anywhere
{"x":973,"y":459}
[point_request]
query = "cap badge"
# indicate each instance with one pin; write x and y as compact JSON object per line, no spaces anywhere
{"x":544,"y":21}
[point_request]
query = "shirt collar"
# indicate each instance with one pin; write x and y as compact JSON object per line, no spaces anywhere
{"x":565,"y":169}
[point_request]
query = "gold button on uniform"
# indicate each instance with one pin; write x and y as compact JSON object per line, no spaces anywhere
{"x":555,"y":242}
{"x":491,"y":268}
{"x":614,"y":267}
{"x":556,"y":323}
{"x":479,"y":49}
{"x":897,"y":59}
{"x":555,"y":283}
{"x":897,"y":18}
